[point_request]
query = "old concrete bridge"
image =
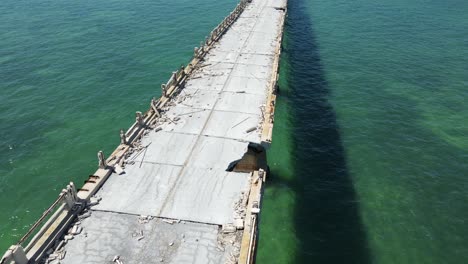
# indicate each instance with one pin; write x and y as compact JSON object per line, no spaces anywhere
{"x":185,"y":183}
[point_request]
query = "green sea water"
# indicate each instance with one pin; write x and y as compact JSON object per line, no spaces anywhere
{"x":369,"y":158}
{"x":72,"y":74}
{"x":368,"y":163}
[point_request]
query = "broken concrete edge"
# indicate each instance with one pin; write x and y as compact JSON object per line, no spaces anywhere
{"x":14,"y":254}
{"x":46,"y":238}
{"x":54,"y":227}
{"x":174,"y":84}
{"x":137,"y":130}
{"x":269,"y":113}
{"x":59,"y":214}
{"x":201,"y":52}
{"x":52,"y":234}
{"x":249,"y":237}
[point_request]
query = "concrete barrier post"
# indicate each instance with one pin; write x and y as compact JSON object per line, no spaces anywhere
{"x":174,"y":77}
{"x":68,"y":199}
{"x":73,"y":191}
{"x":139,"y":118}
{"x":70,"y":195}
{"x":182,"y":71}
{"x":261,"y":174}
{"x":15,"y":253}
{"x":102,"y":160}
{"x":154,"y":107}
{"x":164,"y":89}
{"x":202,"y":48}
{"x":123,"y":137}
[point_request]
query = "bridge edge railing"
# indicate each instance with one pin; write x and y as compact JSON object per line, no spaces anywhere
{"x":72,"y":202}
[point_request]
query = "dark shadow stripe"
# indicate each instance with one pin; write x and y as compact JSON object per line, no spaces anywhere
{"x":327,"y":216}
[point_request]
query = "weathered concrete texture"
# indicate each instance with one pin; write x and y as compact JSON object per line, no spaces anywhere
{"x":180,"y":173}
{"x":241,"y":122}
{"x":140,"y":190}
{"x":198,"y":98}
{"x":208,"y":82}
{"x":106,"y":235}
{"x":166,"y":148}
{"x":191,"y":120}
{"x":197,"y":194}
{"x":250,"y":85}
{"x":216,"y":153}
{"x":241,"y":103}
{"x":206,"y":195}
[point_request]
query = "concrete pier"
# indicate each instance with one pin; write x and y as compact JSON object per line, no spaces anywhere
{"x":185,"y":184}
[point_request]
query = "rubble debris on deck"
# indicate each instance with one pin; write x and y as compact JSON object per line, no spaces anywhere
{"x":184,"y":190}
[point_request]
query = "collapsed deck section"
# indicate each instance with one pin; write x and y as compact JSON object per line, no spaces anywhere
{"x":188,"y":185}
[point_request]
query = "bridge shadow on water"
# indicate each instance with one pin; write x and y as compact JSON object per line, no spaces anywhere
{"x":327,"y":217}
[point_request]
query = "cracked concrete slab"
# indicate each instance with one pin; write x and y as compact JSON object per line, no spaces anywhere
{"x":239,"y":128}
{"x":251,"y":71}
{"x":208,"y":82}
{"x":256,"y":59}
{"x":180,"y":173}
{"x":200,"y":98}
{"x":189,"y":120}
{"x":196,"y":194}
{"x":107,"y":235}
{"x":246,"y":85}
{"x":164,"y":147}
{"x":222,"y":56}
{"x":216,"y":153}
{"x":206,"y":195}
{"x":140,"y":190}
{"x":240,"y":102}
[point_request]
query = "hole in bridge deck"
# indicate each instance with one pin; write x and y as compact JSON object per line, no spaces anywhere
{"x":253,"y":159}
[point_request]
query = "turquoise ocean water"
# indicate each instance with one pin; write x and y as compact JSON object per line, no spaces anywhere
{"x":370,"y":144}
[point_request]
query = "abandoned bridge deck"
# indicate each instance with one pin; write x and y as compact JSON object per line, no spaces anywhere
{"x":184,"y":185}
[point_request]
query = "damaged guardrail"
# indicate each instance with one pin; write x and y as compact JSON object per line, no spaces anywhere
{"x":179,"y":77}
{"x":56,"y":218}
{"x":44,"y":234}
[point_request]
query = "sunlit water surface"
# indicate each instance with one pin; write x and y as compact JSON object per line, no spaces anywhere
{"x":369,"y":154}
